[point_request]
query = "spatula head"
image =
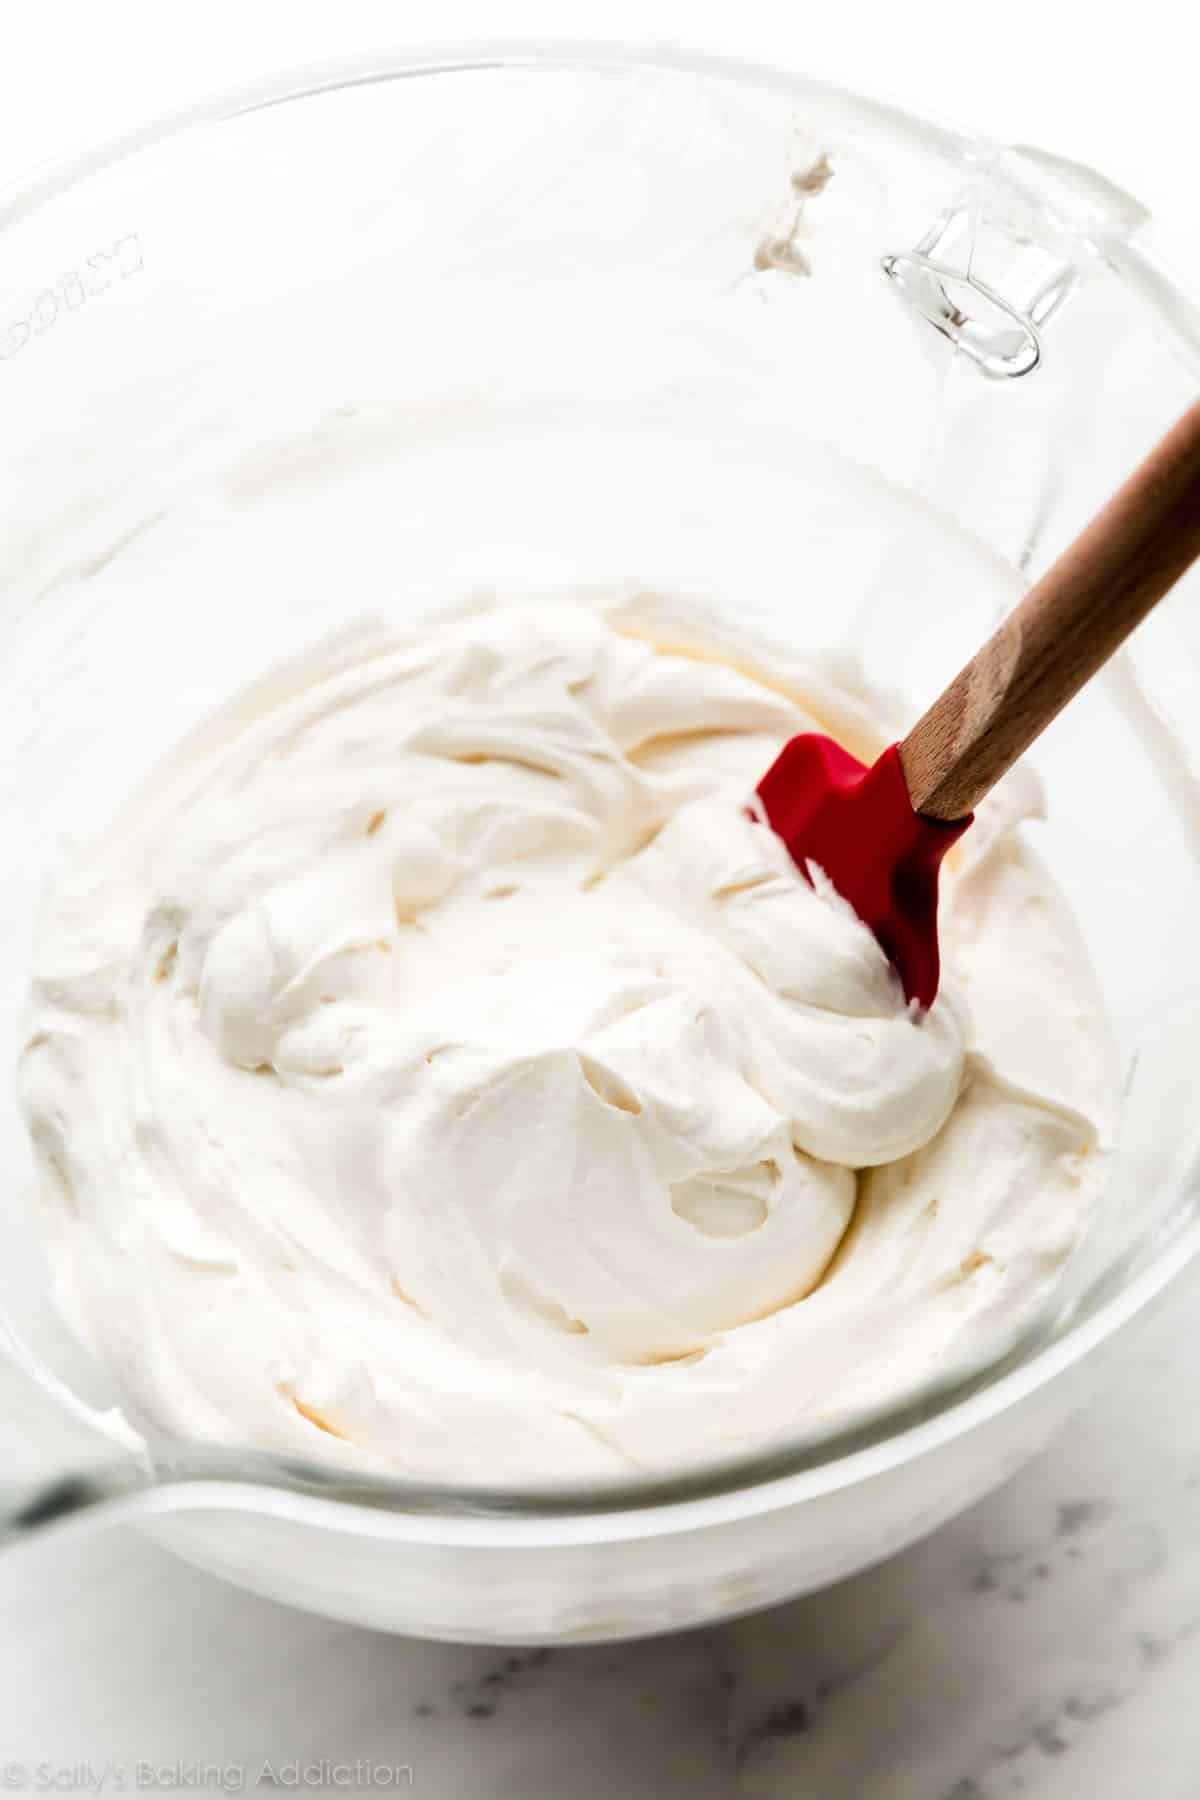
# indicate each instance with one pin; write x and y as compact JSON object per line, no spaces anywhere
{"x":857,"y":824}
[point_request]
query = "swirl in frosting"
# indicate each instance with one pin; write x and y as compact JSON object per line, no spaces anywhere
{"x":438,"y":1067}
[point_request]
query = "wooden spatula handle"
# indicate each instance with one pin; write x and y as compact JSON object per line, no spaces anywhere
{"x":1067,"y":625}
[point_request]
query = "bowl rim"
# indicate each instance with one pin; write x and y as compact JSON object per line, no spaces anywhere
{"x":395,"y":1507}
{"x":21,"y":193}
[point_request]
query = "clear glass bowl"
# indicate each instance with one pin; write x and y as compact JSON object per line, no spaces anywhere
{"x":383,"y":332}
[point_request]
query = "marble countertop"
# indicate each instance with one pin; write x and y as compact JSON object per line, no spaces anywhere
{"x":1046,"y":1644}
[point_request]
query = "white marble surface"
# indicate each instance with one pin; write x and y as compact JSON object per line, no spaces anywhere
{"x":1046,"y":1645}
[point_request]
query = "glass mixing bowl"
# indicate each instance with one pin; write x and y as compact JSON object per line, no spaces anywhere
{"x":388,"y":331}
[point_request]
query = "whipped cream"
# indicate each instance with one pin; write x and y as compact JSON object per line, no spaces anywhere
{"x":438,"y":1068}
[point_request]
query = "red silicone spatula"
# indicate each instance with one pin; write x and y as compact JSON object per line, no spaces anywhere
{"x":880,"y":833}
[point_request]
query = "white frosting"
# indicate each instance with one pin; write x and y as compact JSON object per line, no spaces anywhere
{"x":437,"y":1067}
